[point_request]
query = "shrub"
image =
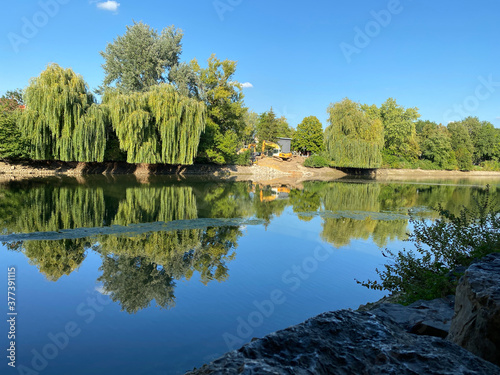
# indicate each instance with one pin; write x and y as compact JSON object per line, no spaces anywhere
{"x":443,"y":248}
{"x":316,"y":161}
{"x":12,"y":143}
{"x":490,"y":165}
{"x":244,"y":158}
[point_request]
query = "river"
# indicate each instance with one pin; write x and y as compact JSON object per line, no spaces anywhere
{"x":158,"y":275}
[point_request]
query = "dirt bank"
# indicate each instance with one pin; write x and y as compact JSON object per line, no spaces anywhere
{"x":420,"y":174}
{"x":264,"y":169}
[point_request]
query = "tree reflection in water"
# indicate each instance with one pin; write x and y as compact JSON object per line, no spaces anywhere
{"x":139,"y":269}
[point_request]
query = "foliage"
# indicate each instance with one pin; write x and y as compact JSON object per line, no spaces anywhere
{"x":452,"y":241}
{"x":316,"y":161}
{"x":435,"y":144}
{"x":244,"y":158}
{"x":484,"y":138}
{"x":141,"y":58}
{"x":461,"y":144}
{"x":13,"y":145}
{"x":156,"y":126}
{"x":490,"y":165}
{"x":14,"y":95}
{"x":61,"y":120}
{"x":309,"y":136}
{"x":225,"y":111}
{"x":399,"y":129}
{"x":250,"y":130}
{"x":353,"y":139}
{"x":270,"y":127}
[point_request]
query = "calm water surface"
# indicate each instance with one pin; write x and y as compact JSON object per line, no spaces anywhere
{"x":160,"y":275}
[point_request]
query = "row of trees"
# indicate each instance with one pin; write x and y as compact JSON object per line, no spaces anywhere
{"x":367,"y":136}
{"x":154,"y":108}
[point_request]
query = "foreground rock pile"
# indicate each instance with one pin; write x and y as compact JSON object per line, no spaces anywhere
{"x":476,"y":324}
{"x":390,"y":339}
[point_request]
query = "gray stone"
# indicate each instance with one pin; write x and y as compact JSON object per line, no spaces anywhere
{"x":476,"y":324}
{"x":431,"y":318}
{"x":348,"y":342}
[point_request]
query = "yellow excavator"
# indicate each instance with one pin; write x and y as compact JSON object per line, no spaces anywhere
{"x":277,"y":150}
{"x":252,"y":147}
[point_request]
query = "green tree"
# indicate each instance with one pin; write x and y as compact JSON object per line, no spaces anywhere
{"x":225,"y":121}
{"x":156,"y":126}
{"x":435,"y":144}
{"x":309,"y":136}
{"x":267,"y":127}
{"x":353,"y":139}
{"x":250,"y":130}
{"x":483,"y":137}
{"x":461,"y":144}
{"x":15,"y":95}
{"x":13,"y":145}
{"x":142,"y":57}
{"x":270,"y":127}
{"x":399,"y":129}
{"x":284,"y":129}
{"x":61,"y":120}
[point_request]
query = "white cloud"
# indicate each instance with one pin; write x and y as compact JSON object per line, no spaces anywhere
{"x":110,"y":5}
{"x":246,"y":85}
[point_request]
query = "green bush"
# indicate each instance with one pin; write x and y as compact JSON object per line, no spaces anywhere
{"x":316,"y":161}
{"x":443,"y":247}
{"x":12,"y":143}
{"x":490,"y":165}
{"x":393,"y":161}
{"x":244,"y":158}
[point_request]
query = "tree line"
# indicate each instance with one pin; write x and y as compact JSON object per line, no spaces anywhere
{"x":154,"y":108}
{"x":391,"y":136}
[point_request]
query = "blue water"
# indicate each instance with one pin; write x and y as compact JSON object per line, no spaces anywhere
{"x":278,"y":273}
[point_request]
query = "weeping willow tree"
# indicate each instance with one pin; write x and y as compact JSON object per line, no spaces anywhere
{"x":353,"y":139}
{"x":61,"y":120}
{"x":156,"y":126}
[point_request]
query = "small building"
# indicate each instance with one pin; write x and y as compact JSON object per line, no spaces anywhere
{"x":285,"y":143}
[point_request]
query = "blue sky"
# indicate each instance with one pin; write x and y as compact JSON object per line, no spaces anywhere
{"x":440,"y":56}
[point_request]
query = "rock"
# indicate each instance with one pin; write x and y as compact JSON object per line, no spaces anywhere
{"x":348,"y":342}
{"x":431,"y":318}
{"x":476,"y":323}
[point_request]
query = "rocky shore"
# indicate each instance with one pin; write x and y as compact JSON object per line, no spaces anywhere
{"x":454,"y":335}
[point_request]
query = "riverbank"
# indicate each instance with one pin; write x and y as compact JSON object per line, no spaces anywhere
{"x":423,"y":174}
{"x":263,"y":170}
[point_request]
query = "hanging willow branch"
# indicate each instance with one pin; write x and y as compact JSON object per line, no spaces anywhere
{"x":157,"y":126}
{"x":353,"y":139}
{"x":61,"y":120}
